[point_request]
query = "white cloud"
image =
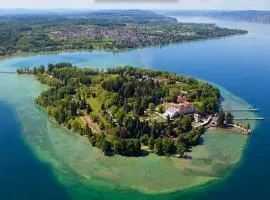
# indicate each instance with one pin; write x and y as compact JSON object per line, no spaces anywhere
{"x":46,"y":4}
{"x":181,"y":4}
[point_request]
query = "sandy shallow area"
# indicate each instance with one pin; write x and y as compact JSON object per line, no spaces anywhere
{"x":75,"y":161}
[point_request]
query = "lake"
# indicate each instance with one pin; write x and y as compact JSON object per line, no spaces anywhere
{"x":40,"y":160}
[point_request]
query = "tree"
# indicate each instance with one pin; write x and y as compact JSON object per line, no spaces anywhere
{"x":160,"y":109}
{"x":41,"y":69}
{"x":180,"y":139}
{"x":248,"y":126}
{"x":83,"y":104}
{"x":118,"y":147}
{"x":100,"y":138}
{"x":144,"y":139}
{"x":88,"y":109}
{"x":102,"y":126}
{"x":50,"y":68}
{"x":193,"y":137}
{"x":76,"y":126}
{"x":119,"y":115}
{"x":168,"y":146}
{"x":93,"y":140}
{"x":102,"y":107}
{"x":106,"y":147}
{"x":184,"y":124}
{"x":133,"y":147}
{"x":88,"y":131}
{"x":229,"y":118}
{"x":221,"y":119}
{"x":138,"y":107}
{"x":123,"y":133}
{"x":151,"y":107}
{"x":114,"y":109}
{"x":209,"y":105}
{"x":168,"y":119}
{"x":159,"y":147}
{"x":171,"y":149}
{"x":94,"y":118}
{"x":151,"y":143}
{"x":73,"y":108}
{"x":68,"y":125}
{"x":180,"y":148}
{"x":174,"y":92}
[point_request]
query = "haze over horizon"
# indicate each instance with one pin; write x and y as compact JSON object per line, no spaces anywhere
{"x":139,"y":4}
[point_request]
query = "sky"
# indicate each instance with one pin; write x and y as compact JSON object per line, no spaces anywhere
{"x":145,"y":4}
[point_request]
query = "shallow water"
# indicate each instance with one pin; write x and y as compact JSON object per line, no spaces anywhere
{"x":84,"y":173}
{"x":76,"y":163}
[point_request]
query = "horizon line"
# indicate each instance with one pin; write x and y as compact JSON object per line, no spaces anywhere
{"x":173,"y":9}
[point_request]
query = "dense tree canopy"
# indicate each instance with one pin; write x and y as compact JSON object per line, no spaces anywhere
{"x":115,"y":109}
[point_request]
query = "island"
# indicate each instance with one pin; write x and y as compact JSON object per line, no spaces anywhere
{"x":130,"y":111}
{"x":111,"y":30}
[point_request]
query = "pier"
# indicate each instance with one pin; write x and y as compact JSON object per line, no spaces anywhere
{"x":249,"y":118}
{"x":242,"y":110}
{"x":245,"y":110}
{"x":7,"y":72}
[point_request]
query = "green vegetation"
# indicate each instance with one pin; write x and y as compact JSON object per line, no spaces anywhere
{"x":221,"y":119}
{"x":229,"y":118}
{"x":224,"y":119}
{"x":118,"y":110}
{"x":109,"y":30}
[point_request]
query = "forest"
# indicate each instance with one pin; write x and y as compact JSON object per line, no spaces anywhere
{"x":120,"y":110}
{"x":101,"y":30}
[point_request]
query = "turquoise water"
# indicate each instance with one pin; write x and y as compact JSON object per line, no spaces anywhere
{"x":22,"y":176}
{"x":65,"y":165}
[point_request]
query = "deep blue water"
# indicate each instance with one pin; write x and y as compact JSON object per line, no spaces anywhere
{"x":241,"y":64}
{"x":22,"y":176}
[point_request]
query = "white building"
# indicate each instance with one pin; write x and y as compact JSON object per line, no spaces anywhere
{"x":174,"y":112}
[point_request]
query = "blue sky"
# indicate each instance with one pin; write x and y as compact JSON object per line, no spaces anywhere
{"x":172,"y":4}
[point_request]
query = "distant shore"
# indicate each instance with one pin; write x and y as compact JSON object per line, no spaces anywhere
{"x":109,"y":50}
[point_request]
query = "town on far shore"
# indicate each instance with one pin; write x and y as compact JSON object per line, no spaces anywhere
{"x":132,"y":111}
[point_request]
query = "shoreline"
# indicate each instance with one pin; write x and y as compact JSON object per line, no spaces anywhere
{"x":197,"y":185}
{"x":234,"y":129}
{"x":29,"y":54}
{"x":238,"y":162}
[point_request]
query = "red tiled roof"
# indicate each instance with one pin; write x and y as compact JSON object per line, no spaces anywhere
{"x":160,"y":79}
{"x":172,"y":138}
